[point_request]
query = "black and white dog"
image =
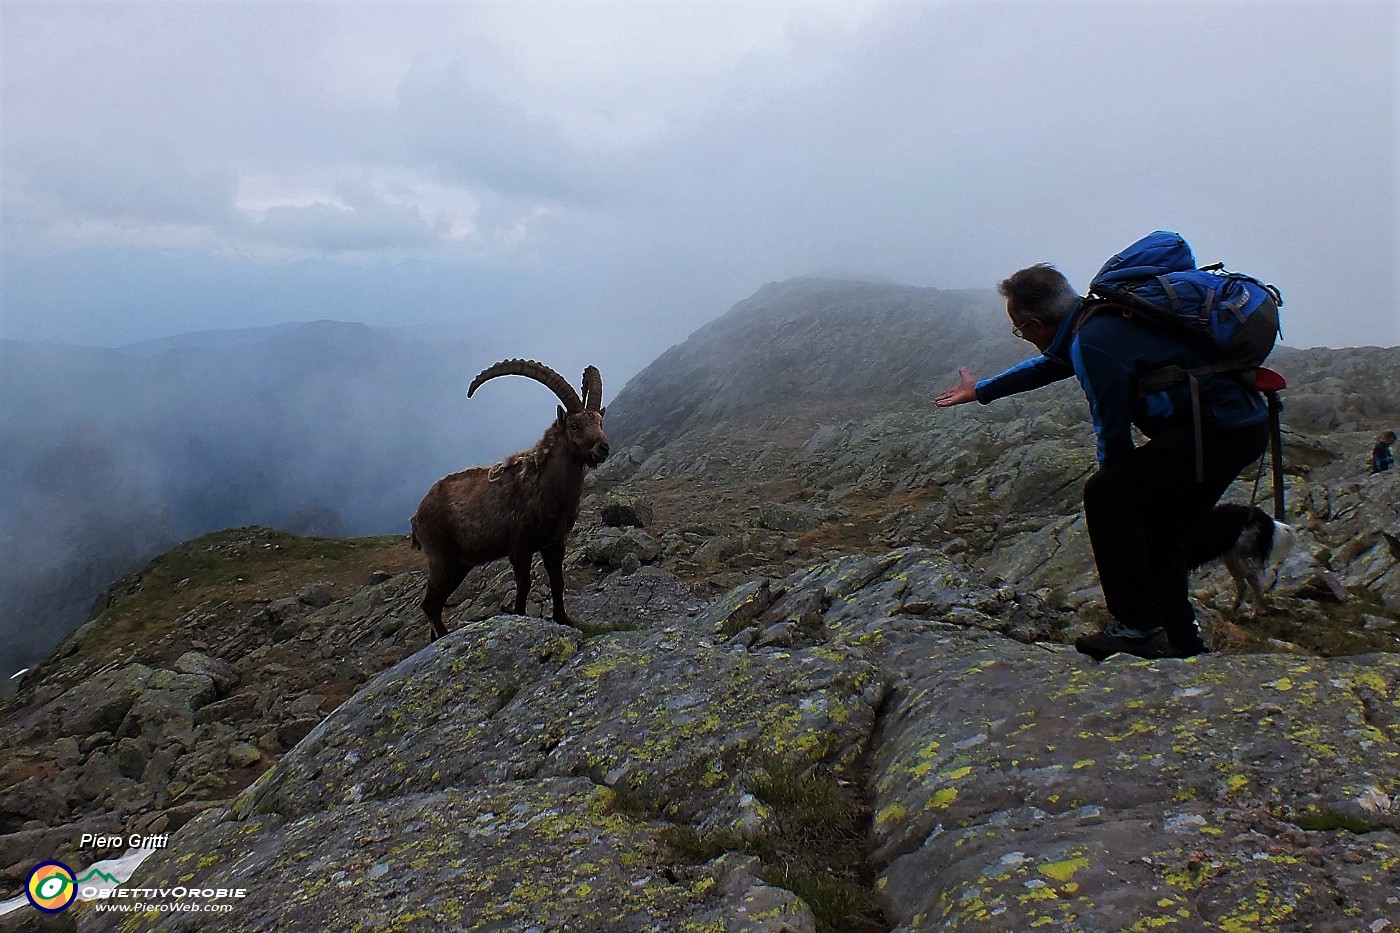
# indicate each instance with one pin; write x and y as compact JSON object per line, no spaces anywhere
{"x":1250,"y":541}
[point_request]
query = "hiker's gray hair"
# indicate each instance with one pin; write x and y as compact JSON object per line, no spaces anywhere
{"x":1039,"y":293}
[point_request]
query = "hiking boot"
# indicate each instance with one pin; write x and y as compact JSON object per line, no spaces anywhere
{"x":1103,"y":644}
{"x":1186,"y":640}
{"x":1188,"y":646}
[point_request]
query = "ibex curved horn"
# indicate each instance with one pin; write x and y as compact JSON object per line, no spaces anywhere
{"x":592,"y":389}
{"x":536,"y":371}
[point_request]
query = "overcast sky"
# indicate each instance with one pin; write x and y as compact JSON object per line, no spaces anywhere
{"x":591,"y":182}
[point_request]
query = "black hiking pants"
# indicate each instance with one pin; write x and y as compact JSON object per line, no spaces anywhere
{"x":1142,"y":514}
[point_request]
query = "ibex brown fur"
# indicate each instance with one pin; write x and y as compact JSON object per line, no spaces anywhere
{"x":525,"y":504}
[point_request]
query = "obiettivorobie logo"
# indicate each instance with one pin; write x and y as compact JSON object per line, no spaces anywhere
{"x":52,"y":887}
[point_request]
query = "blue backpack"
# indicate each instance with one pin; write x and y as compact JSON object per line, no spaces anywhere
{"x":1235,"y":315}
{"x":1156,"y":279}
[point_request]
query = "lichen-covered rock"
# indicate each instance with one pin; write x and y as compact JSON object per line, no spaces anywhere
{"x":620,"y":510}
{"x":527,"y":777}
{"x":316,"y":595}
{"x":778,"y":516}
{"x":1055,"y":556}
{"x":882,"y":604}
{"x":519,"y":774}
{"x":36,"y":798}
{"x":611,"y":547}
{"x":241,"y":755}
{"x":551,"y":855}
{"x":165,"y":710}
{"x":736,"y":609}
{"x":222,"y":673}
{"x":1362,"y":523}
{"x":95,"y":705}
{"x":412,"y":728}
{"x":658,"y":715}
{"x":1022,"y":788}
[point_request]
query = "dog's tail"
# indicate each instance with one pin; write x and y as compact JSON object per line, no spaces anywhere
{"x":1285,"y":540}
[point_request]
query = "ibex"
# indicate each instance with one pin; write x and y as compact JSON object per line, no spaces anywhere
{"x":525,"y":504}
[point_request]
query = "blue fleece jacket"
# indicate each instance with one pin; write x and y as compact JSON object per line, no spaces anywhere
{"x":1108,"y":354}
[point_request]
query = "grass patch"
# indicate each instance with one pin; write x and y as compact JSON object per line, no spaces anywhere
{"x":590,"y":631}
{"x":809,"y":798}
{"x":689,"y":847}
{"x":245,"y":565}
{"x":733,"y":625}
{"x":627,"y":803}
{"x":838,"y":904}
{"x":206,"y":587}
{"x":816,"y":848}
{"x":1326,"y":629}
{"x":1331,"y":821}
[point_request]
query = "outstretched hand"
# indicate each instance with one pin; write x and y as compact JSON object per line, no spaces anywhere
{"x":964,"y":391}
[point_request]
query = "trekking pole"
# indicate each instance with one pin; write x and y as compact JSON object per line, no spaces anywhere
{"x":1258,"y":475}
{"x":1276,"y":441}
{"x":1270,"y":382}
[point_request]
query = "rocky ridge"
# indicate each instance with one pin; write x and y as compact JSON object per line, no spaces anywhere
{"x":823,"y":684}
{"x":517,"y":775}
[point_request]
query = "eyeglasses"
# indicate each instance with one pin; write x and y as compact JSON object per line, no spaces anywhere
{"x":1016,"y":331}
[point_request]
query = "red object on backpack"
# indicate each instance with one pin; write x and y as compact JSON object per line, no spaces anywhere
{"x":1266,"y":380}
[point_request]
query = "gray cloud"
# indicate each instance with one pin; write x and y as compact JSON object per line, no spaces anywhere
{"x":365,"y":222}
{"x":627,"y":172}
{"x":79,"y":181}
{"x":953,"y":149}
{"x":462,"y":133}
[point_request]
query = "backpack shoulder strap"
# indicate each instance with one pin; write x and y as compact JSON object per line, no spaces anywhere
{"x":1092,"y":306}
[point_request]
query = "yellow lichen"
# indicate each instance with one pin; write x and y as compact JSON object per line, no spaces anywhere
{"x":943,"y":798}
{"x":891,"y":813}
{"x":1064,"y":869}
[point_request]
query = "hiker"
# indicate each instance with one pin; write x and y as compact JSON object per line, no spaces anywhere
{"x":1382,"y":458}
{"x":1144,"y":502}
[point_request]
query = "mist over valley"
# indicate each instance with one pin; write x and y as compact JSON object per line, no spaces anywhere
{"x":111,"y":456}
